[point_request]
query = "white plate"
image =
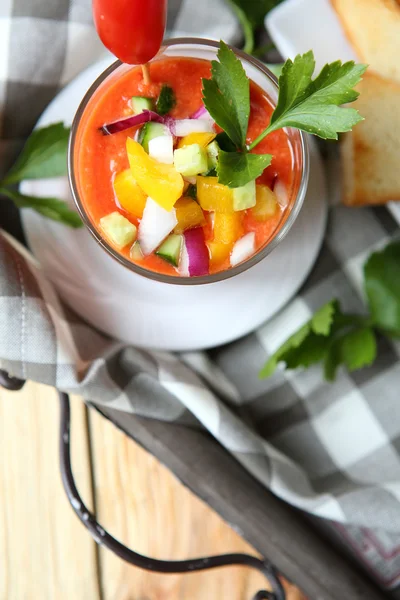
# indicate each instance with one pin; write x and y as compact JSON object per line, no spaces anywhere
{"x":151,"y":314}
{"x":320,"y":30}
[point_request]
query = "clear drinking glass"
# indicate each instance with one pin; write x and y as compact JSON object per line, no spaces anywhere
{"x":257,"y":71}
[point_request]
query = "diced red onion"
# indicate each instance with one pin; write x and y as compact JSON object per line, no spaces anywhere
{"x":197,"y":251}
{"x":202,"y":113}
{"x":128,"y":122}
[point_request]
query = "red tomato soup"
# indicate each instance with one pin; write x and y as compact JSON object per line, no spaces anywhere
{"x":99,"y":158}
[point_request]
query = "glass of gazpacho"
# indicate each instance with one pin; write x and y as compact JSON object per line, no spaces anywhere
{"x":143,"y":170}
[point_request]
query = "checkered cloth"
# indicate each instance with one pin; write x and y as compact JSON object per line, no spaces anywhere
{"x":329,"y":449}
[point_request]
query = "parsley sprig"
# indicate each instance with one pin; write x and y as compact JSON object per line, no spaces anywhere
{"x":44,"y":155}
{"x":312,"y":105}
{"x":335,"y":338}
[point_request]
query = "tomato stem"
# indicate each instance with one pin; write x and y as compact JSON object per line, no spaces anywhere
{"x":146,"y":74}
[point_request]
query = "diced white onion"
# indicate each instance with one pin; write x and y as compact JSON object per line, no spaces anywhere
{"x":281,"y":194}
{"x":185,"y":126}
{"x":243,"y":248}
{"x":162,"y":149}
{"x":184,"y":261}
{"x":155,"y":225}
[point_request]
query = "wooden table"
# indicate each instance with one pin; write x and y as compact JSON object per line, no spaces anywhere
{"x":46,"y":554}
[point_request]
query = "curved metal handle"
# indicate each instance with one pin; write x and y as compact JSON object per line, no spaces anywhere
{"x":102,"y":537}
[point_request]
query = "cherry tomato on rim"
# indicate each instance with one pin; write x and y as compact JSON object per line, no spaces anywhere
{"x":131,"y":29}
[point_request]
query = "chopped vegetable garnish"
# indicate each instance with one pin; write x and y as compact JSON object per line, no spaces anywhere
{"x":243,"y":249}
{"x":197,"y":251}
{"x":213,"y":195}
{"x":118,"y":229}
{"x":202,"y":139}
{"x":128,"y":122}
{"x":162,"y":149}
{"x":166,"y":100}
{"x":139,"y":104}
{"x":161,"y":182}
{"x":188,"y":214}
{"x":135,"y":252}
{"x":170,"y":250}
{"x":266,"y":204}
{"x":155,"y":225}
{"x":227,"y":227}
{"x":129,"y":194}
{"x":245,"y":196}
{"x":191,"y":160}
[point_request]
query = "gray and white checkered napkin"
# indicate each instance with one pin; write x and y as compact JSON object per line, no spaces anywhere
{"x":332,"y":450}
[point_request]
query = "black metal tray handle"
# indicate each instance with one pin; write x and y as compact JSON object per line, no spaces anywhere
{"x":102,"y":537}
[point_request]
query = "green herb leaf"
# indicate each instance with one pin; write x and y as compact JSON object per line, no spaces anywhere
{"x":224,"y":142}
{"x":251,"y":14}
{"x":44,"y":155}
{"x":382,"y":286}
{"x":166,"y":100}
{"x":236,"y":169}
{"x":226,"y":95}
{"x":191,"y":192}
{"x":355,"y":349}
{"x":309,"y":344}
{"x":314,"y":105}
{"x":52,"y":208}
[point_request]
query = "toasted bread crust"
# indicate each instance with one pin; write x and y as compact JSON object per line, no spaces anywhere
{"x":370,"y":154}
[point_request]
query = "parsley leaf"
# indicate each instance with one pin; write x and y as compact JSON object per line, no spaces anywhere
{"x":226,"y":95}
{"x":355,"y":349}
{"x":308,"y":344}
{"x":52,"y":208}
{"x":331,"y":337}
{"x":313,"y":105}
{"x":44,"y":155}
{"x":166,"y":100}
{"x":236,"y":169}
{"x":382,"y":286}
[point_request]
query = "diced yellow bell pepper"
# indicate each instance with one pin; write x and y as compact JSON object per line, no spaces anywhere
{"x":129,"y":193}
{"x":203,"y":139}
{"x":188,"y":214}
{"x":227,"y":228}
{"x":214,"y":196}
{"x":266,"y":203}
{"x":218,"y":252}
{"x":160,"y":181}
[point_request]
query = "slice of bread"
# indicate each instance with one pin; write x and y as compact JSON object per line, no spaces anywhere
{"x":373,"y":29}
{"x":370,"y":154}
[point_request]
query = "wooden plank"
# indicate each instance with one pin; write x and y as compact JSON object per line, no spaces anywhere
{"x":142,"y":504}
{"x":45,"y":552}
{"x":273,"y":527}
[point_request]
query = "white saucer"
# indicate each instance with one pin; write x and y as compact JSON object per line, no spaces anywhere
{"x":151,"y":314}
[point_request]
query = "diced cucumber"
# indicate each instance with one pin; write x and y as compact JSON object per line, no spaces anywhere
{"x":136,"y":252}
{"x":245,"y":196}
{"x":162,"y":149}
{"x":170,"y":250}
{"x":150,"y":131}
{"x":139,"y":104}
{"x":118,"y":229}
{"x":212,"y":155}
{"x":191,"y":160}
